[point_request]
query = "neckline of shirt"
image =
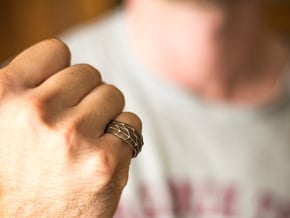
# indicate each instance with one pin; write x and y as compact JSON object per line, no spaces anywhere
{"x":167,"y":90}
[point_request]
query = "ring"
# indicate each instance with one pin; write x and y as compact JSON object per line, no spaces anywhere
{"x":128,"y":134}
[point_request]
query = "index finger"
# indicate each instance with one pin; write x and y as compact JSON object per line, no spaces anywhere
{"x":37,"y":63}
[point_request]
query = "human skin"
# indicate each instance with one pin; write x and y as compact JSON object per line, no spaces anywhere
{"x":55,"y":159}
{"x":219,"y":50}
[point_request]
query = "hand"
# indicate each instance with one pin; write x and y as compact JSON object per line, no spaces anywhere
{"x":55,"y":159}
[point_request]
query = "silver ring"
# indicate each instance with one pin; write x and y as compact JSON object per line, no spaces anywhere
{"x":128,"y":134}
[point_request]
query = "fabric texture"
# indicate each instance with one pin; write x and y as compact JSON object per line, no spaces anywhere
{"x":200,"y":159}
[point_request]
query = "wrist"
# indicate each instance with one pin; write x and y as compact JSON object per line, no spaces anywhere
{"x":78,"y":206}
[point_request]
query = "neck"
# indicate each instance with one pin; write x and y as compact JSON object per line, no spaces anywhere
{"x":221,"y":54}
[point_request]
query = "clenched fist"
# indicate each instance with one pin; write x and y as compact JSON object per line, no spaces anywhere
{"x":55,"y":158}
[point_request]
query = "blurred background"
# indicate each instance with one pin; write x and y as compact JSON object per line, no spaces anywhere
{"x":25,"y":22}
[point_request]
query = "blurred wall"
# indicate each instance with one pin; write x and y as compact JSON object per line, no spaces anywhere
{"x":23,"y":22}
{"x":277,"y":15}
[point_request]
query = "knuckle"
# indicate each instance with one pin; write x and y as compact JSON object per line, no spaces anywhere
{"x":73,"y":129}
{"x":6,"y":83}
{"x":89,"y":71}
{"x":111,"y":178}
{"x":116,"y":93}
{"x":134,"y":119}
{"x":60,"y":47}
{"x":113,"y":165}
{"x":31,"y":112}
{"x":6,"y":75}
{"x":36,"y":104}
{"x":59,"y":44}
{"x":35,"y":107}
{"x":68,"y":135}
{"x":106,"y":165}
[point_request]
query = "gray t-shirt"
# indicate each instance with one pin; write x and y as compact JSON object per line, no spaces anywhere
{"x":200,"y":159}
